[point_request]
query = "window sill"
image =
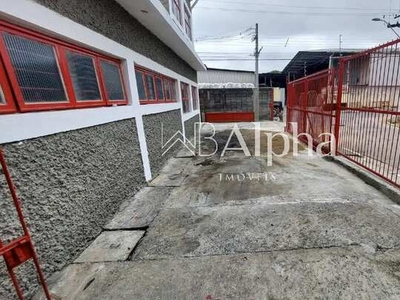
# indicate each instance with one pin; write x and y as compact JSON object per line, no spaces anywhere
{"x":156,"y":102}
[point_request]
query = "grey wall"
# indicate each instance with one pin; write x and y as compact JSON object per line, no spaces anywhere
{"x":108,"y":18}
{"x":69,"y":185}
{"x":189,"y":127}
{"x":171,"y":122}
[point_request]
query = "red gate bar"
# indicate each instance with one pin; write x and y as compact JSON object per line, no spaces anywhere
{"x":359,"y":104}
{"x":311,"y":105}
{"x":222,"y":117}
{"x":20,"y":249}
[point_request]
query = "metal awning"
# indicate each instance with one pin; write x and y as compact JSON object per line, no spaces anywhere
{"x":314,"y":61}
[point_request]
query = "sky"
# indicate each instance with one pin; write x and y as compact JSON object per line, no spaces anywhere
{"x":223,"y":29}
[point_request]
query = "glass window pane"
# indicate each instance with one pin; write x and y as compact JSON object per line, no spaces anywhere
{"x":36,"y":68}
{"x":173,"y":90}
{"x":186,"y":107}
{"x":112,"y":81}
{"x":160,"y":90}
{"x":194,"y":98}
{"x":167,"y":88}
{"x":84,"y":78}
{"x":2,"y":96}
{"x":150,"y":87}
{"x":140,"y":85}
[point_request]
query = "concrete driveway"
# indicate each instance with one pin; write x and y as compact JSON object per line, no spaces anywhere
{"x":303,"y":228}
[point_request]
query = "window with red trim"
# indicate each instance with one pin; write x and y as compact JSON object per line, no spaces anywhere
{"x":188,"y":24}
{"x":154,"y":88}
{"x":85,"y":82}
{"x":185,"y":97}
{"x":195,"y":98}
{"x":176,"y":10}
{"x":44,"y":73}
{"x":113,"y":82}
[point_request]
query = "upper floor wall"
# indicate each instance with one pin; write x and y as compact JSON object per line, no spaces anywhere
{"x":110,"y":19}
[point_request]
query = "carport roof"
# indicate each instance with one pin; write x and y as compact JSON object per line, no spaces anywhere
{"x":315,"y":59}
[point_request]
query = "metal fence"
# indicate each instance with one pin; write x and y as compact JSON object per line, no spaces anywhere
{"x":359,"y":104}
{"x":311,"y":105}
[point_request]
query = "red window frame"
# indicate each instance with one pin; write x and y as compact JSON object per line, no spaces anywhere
{"x":103,"y":85}
{"x":146,"y":72}
{"x":195,"y":102}
{"x":8,"y":106}
{"x":185,"y":93}
{"x":156,"y":87}
{"x":59,"y":47}
{"x":70,"y":86}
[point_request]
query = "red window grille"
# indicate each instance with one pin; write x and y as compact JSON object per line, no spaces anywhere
{"x":195,"y":98}
{"x":188,"y":24}
{"x":185,"y":97}
{"x":154,"y":88}
{"x":46,"y":73}
{"x":176,"y":10}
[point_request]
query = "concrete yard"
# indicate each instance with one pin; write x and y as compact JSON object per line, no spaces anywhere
{"x":233,"y":227}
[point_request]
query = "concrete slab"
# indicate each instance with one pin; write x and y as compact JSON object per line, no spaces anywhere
{"x":205,"y":231}
{"x":167,"y":180}
{"x":141,"y":210}
{"x":111,"y":246}
{"x":171,"y":175}
{"x":300,"y":274}
{"x":310,"y":230}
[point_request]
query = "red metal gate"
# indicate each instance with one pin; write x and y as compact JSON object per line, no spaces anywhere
{"x":19,"y":250}
{"x":311,"y":106}
{"x":360,"y":106}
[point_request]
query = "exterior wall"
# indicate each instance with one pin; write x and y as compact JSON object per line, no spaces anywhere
{"x":189,"y":127}
{"x":74,"y":167}
{"x":215,"y":76}
{"x":171,"y":123}
{"x":69,"y":185}
{"x":226,"y":100}
{"x":266,"y":97}
{"x":111,"y":20}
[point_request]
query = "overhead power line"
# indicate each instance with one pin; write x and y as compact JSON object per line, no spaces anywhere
{"x":246,"y":59}
{"x":301,"y":7}
{"x":308,"y":13}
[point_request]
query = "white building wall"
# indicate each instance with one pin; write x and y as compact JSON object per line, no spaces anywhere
{"x":19,"y":126}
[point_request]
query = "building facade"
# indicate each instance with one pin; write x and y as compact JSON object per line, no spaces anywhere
{"x":87,"y":90}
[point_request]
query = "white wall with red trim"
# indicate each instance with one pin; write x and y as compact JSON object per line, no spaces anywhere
{"x":22,"y":126}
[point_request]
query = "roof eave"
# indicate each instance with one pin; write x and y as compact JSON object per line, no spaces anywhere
{"x":153,"y":15}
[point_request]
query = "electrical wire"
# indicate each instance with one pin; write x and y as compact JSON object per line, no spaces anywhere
{"x":296,"y":6}
{"x":309,"y":13}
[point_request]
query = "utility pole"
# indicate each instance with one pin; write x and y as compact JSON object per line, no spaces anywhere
{"x":340,"y":45}
{"x":257,"y":87}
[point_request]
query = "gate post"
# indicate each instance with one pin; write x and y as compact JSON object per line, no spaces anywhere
{"x":339,"y":104}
